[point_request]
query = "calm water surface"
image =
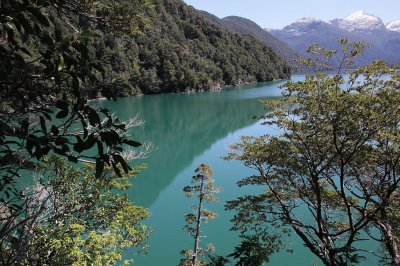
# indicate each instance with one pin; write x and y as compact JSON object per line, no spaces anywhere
{"x":190,"y":129}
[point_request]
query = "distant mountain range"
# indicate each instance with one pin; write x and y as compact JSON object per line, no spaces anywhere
{"x":292,"y":41}
{"x":359,"y":26}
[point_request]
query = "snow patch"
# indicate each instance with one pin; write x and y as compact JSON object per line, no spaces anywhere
{"x":307,"y":20}
{"x":360,"y":21}
{"x":394,"y":25}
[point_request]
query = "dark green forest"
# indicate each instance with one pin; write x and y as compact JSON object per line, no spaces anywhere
{"x":245,"y":26}
{"x":180,"y":51}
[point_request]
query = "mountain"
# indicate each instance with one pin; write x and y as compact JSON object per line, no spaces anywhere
{"x":183,"y":51}
{"x":360,"y":22}
{"x":394,"y":26}
{"x":306,"y":31}
{"x":245,"y":26}
{"x":359,"y":26}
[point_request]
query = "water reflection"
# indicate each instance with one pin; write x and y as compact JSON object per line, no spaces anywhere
{"x":190,"y":129}
{"x":183,"y":126}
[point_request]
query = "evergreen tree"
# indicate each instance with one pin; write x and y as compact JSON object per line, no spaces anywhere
{"x":203,"y":188}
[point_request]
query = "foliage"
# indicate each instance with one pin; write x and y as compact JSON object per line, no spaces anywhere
{"x":245,"y":26}
{"x":43,"y":71}
{"x":216,"y":260}
{"x":181,"y":51}
{"x":252,"y":251}
{"x":324,"y":59}
{"x":330,"y":172}
{"x":46,"y":76}
{"x":203,"y":188}
{"x":80,"y":222}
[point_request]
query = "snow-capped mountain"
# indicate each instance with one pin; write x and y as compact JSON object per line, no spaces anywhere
{"x":305,"y":25}
{"x":394,"y":26}
{"x":360,"y":21}
{"x":358,"y":26}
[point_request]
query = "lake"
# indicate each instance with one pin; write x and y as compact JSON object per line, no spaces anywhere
{"x":187,"y":130}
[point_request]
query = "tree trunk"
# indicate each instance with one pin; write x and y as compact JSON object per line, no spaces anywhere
{"x":198,"y":225}
{"x":390,"y":243}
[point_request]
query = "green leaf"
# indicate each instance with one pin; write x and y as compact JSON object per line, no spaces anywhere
{"x":118,"y":158}
{"x":37,"y":14}
{"x":99,"y":167}
{"x":24,"y":125}
{"x":116,"y":169}
{"x":132,"y":143}
{"x":61,"y":105}
{"x":62,"y":114}
{"x":54,"y":130}
{"x":61,"y":62}
{"x":100,"y":148}
{"x":9,"y":26}
{"x":94,"y":118}
{"x":8,"y":18}
{"x":89,"y":143}
{"x":79,"y":145}
{"x":61,"y":140}
{"x":43,"y":125}
{"x":73,"y":159}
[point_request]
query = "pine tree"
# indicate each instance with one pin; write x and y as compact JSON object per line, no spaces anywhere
{"x":202,"y":187}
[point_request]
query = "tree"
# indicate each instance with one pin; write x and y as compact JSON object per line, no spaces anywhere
{"x":78,"y":219}
{"x":46,"y":77}
{"x":203,"y":187}
{"x":332,"y":170}
{"x":389,"y":224}
{"x":43,"y":71}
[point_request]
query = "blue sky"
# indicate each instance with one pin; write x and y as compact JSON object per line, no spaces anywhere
{"x":278,"y":13}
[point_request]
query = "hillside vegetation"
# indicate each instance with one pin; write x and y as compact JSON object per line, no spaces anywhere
{"x":245,"y":26}
{"x":181,"y":51}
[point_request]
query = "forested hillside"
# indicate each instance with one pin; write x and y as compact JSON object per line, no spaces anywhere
{"x":245,"y":26}
{"x":181,"y":51}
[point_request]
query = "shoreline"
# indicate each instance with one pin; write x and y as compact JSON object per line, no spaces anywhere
{"x":218,"y":87}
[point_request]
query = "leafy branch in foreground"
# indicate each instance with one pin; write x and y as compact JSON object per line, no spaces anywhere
{"x":203,"y":188}
{"x":46,"y":77}
{"x":77,"y":220}
{"x":253,"y":250}
{"x":331,"y":176}
{"x":47,"y":74}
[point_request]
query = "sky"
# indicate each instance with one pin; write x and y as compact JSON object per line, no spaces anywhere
{"x":276,"y":14}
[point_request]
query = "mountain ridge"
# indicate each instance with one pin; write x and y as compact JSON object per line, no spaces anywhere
{"x":244,"y":26}
{"x":360,"y":21}
{"x":394,"y":25}
{"x":384,"y":40}
{"x":181,"y":51}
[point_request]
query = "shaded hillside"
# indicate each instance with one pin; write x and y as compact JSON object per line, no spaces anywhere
{"x":182,"y":51}
{"x":245,"y":26}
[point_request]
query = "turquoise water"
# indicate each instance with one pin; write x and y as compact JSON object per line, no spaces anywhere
{"x":187,"y":130}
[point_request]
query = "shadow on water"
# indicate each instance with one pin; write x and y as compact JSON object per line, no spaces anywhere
{"x":183,"y":126}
